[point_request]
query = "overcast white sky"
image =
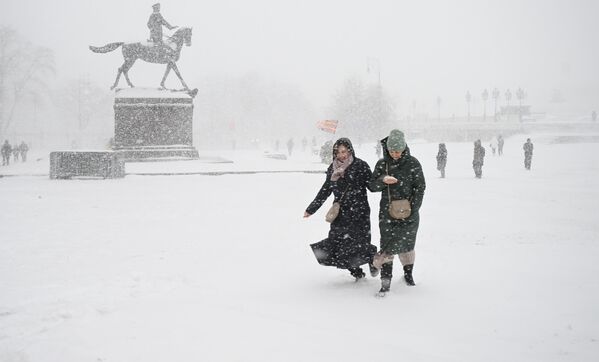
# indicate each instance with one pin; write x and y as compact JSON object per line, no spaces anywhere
{"x":425,"y":48}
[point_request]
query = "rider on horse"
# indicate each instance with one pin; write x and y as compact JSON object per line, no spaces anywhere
{"x":155,"y":23}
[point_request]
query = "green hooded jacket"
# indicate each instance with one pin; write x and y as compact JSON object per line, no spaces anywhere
{"x":398,"y":236}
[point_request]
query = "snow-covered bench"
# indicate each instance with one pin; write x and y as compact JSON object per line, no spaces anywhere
{"x":105,"y":164}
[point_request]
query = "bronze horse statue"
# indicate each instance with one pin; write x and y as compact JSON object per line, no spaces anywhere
{"x":166,"y":53}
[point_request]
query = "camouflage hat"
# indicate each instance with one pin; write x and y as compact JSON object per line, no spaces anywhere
{"x":396,"y":141}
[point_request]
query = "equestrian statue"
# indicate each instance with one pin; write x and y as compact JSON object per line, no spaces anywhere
{"x":156,"y":50}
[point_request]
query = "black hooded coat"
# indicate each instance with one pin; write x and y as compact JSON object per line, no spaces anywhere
{"x":348,"y":244}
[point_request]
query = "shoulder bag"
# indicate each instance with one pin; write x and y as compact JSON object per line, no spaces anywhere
{"x":398,"y":209}
{"x":334,"y":210}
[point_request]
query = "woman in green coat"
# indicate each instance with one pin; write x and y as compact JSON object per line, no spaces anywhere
{"x":398,"y":176}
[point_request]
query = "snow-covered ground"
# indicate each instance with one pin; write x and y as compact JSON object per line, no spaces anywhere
{"x":218,"y":268}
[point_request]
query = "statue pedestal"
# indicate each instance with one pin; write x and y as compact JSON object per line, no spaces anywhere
{"x":153,"y":124}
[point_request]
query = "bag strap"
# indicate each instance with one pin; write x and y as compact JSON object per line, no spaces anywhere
{"x":344,"y":192}
{"x":389,"y":186}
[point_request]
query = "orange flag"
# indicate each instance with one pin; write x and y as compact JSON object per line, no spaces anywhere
{"x":329,"y":126}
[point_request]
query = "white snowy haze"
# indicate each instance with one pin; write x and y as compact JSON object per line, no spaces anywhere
{"x":191,"y":260}
{"x":272,"y":68}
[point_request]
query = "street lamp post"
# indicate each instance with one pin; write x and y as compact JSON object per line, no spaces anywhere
{"x":468,"y":99}
{"x":508,"y":97}
{"x":485,"y":96}
{"x":520,"y":95}
{"x":495,"y":95}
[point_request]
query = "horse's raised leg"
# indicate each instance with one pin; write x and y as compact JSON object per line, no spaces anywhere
{"x":128,"y":64}
{"x":168,"y":69}
{"x":174,"y":66}
{"x":118,"y":76}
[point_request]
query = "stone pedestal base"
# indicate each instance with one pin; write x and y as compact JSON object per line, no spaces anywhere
{"x":153,"y":124}
{"x":158,"y":153}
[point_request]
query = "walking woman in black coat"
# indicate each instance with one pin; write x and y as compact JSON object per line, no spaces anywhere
{"x":348,"y":244}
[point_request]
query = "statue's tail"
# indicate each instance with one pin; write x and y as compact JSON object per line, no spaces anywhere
{"x":106,"y":48}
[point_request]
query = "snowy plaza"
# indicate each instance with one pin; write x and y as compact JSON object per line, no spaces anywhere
{"x":218,"y":268}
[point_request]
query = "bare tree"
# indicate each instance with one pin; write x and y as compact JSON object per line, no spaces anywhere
{"x":363,"y":111}
{"x":24,"y":71}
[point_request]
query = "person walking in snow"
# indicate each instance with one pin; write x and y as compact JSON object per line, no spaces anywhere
{"x":290,"y":145}
{"x":479,"y":159}
{"x":15,"y":153}
{"x":442,"y":159}
{"x":528,"y":147}
{"x":500,"y":145}
{"x":493,"y":146}
{"x":348,"y":244}
{"x":6,"y":151}
{"x":378,"y":150}
{"x":23,"y":148}
{"x":397,"y":176}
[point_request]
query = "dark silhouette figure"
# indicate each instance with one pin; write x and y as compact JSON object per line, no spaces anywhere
{"x":442,"y":159}
{"x":6,"y":151}
{"x":500,"y":145}
{"x":479,"y":159}
{"x":155,"y":24}
{"x":24,"y":149}
{"x":290,"y":145}
{"x":378,"y":149}
{"x":528,"y":147}
{"x":15,"y":153}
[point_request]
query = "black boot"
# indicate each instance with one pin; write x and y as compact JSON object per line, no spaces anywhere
{"x":357,"y":273}
{"x":407,"y":274}
{"x":385,"y":286}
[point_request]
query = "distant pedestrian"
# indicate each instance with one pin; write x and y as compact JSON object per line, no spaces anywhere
{"x":442,"y":159}
{"x":493,"y":146}
{"x":500,"y":145}
{"x":304,"y":144}
{"x":479,"y":159}
{"x":290,"y":144}
{"x":528,"y":146}
{"x":277,"y":145}
{"x":23,"y":148}
{"x":378,"y":150}
{"x":15,"y":153}
{"x":6,"y":152}
{"x":594,"y":116}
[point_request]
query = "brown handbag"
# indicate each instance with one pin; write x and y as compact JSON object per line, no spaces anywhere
{"x":398,"y":209}
{"x":333,"y":212}
{"x":335,"y":208}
